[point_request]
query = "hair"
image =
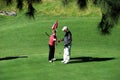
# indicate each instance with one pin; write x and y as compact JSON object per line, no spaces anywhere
{"x":54,"y":31}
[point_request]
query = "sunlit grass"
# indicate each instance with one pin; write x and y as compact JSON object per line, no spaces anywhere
{"x":97,"y":56}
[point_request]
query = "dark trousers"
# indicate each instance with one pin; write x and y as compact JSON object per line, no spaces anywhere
{"x":51,"y":52}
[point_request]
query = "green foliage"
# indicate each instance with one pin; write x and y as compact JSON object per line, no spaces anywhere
{"x":110,"y":14}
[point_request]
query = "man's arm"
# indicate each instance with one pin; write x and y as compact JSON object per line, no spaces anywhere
{"x":60,"y":40}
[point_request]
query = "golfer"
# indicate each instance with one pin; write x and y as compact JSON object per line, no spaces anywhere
{"x":52,"y":41}
{"x":67,"y":44}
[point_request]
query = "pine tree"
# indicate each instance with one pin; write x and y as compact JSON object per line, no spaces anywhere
{"x":110,"y":10}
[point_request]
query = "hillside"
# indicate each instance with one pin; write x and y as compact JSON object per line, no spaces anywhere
{"x":57,"y":8}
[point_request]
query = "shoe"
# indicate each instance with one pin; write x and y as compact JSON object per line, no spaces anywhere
{"x":54,"y":59}
{"x":62,"y":61}
{"x":66,"y":62}
{"x":50,"y":61}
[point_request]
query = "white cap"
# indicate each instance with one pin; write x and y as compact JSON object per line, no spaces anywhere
{"x":64,"y":28}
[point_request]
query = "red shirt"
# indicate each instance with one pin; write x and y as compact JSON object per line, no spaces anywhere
{"x":52,"y":40}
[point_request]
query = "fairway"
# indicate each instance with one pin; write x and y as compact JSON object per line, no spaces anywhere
{"x":24,"y":50}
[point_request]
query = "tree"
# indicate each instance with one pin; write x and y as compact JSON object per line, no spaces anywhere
{"x":31,"y":9}
{"x":110,"y":10}
{"x":110,"y":14}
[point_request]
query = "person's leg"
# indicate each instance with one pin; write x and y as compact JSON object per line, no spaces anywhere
{"x":69,"y":53}
{"x":50,"y":53}
{"x":66,"y":55}
{"x":53,"y":52}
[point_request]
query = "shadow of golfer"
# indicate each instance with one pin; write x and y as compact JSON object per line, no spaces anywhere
{"x":12,"y":57}
{"x":87,"y":59}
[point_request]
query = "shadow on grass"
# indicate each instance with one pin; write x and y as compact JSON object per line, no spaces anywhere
{"x":87,"y":59}
{"x":12,"y":57}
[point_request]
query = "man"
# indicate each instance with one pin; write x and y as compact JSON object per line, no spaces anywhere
{"x":52,"y":41}
{"x":67,"y":44}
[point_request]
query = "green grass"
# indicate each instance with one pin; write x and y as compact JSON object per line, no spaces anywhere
{"x":20,"y":36}
{"x":57,"y":8}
